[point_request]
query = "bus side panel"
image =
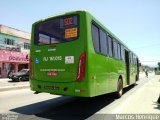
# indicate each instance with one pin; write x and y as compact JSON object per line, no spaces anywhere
{"x":103,"y":71}
{"x":97,"y":73}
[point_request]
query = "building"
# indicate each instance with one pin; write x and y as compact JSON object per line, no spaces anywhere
{"x":14,"y":50}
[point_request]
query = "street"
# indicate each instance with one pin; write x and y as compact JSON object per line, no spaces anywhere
{"x":139,"y":99}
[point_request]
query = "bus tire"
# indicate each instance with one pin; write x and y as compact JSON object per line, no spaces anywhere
{"x":119,"y":92}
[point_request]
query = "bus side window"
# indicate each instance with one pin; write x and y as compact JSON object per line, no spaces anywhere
{"x":115,"y":49}
{"x":135,"y":60}
{"x":95,"y":37}
{"x":103,"y":42}
{"x":110,"y":46}
{"x":131,"y":57}
{"x":119,"y":51}
{"x":122,"y":53}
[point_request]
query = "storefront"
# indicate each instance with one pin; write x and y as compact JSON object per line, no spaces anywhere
{"x":11,"y":61}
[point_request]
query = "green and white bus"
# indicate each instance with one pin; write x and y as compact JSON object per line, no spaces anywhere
{"x":73,"y":54}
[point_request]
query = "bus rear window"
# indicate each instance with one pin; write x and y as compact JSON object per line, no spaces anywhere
{"x":57,"y":30}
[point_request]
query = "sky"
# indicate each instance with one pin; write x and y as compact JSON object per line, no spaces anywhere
{"x":135,"y":22}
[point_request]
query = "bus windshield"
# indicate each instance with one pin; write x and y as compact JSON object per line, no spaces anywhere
{"x":58,"y":30}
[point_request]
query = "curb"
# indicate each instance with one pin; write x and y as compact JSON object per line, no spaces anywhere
{"x":13,"y":88}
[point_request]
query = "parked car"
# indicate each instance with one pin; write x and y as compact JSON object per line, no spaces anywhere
{"x":22,"y":75}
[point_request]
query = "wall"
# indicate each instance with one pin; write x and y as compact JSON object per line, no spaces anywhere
{"x":3,"y":37}
{"x":19,"y":38}
{"x":14,"y":32}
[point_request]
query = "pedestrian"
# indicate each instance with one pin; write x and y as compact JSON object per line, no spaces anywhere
{"x":146,"y":72}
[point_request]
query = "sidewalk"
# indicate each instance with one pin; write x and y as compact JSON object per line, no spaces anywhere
{"x":7,"y":84}
{"x":143,"y":100}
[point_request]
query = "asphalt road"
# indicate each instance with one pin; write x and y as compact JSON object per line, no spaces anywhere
{"x":139,"y":99}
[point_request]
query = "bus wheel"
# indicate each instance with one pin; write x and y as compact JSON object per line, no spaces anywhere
{"x":119,"y":88}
